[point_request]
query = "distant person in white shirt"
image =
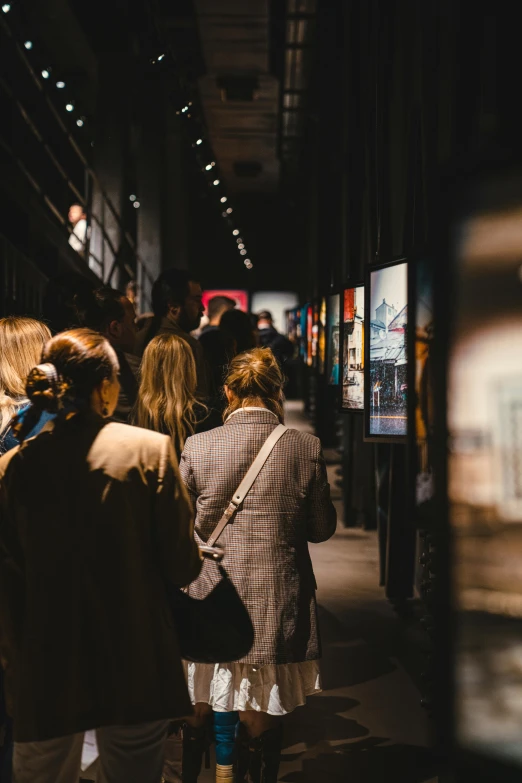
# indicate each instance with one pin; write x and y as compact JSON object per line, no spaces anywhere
{"x":78,"y":221}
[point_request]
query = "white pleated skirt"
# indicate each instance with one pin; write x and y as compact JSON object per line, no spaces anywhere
{"x":276,"y":690}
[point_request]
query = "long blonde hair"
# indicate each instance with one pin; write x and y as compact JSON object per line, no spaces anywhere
{"x":166,"y":398}
{"x":255,"y":377}
{"x":21,"y":345}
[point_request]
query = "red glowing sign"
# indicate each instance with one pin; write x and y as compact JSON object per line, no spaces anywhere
{"x":240,"y":297}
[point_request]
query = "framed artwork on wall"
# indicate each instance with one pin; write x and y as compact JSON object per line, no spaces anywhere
{"x":352,"y":349}
{"x":332,"y":339}
{"x":386,"y":361}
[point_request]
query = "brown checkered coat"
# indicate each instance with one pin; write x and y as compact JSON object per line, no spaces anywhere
{"x":266,"y":544}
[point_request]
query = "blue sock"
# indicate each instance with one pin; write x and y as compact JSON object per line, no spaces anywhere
{"x":225,"y":734}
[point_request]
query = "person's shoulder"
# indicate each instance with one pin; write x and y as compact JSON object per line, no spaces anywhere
{"x":202,"y":440}
{"x":134,"y":436}
{"x":303,"y":440}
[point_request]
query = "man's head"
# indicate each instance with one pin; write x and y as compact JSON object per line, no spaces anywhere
{"x":109,"y":311}
{"x":76,"y":213}
{"x":264,"y":319}
{"x":178,"y":296}
{"x":217,"y":306}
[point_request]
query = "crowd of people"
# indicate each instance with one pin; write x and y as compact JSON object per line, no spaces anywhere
{"x":126,"y":443}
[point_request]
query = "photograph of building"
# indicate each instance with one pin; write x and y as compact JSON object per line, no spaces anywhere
{"x":353,"y":349}
{"x":388,"y":360}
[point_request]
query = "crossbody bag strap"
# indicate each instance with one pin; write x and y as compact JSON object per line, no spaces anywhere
{"x":245,"y":486}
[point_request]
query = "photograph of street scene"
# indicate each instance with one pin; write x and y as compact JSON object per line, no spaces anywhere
{"x":333,"y":319}
{"x":485,"y":486}
{"x":353,"y":349}
{"x":387,"y":372}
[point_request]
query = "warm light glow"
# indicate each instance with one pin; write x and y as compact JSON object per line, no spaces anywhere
{"x":208,"y":167}
{"x":136,"y":205}
{"x":28,"y":44}
{"x":229,"y":211}
{"x":132,"y":197}
{"x":46,"y":73}
{"x":6,"y":8}
{"x":184,"y":109}
{"x":241,"y":246}
{"x":160,"y":58}
{"x":60,"y":85}
{"x":199,"y":141}
{"x":243,"y":252}
{"x":80,"y":122}
{"x":235,"y":232}
{"x":239,"y":240}
{"x":69,"y":106}
{"x":223,"y":199}
{"x":216,"y":182}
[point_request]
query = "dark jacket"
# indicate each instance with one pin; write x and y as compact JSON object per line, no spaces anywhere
{"x":86,"y":634}
{"x":129,"y":371}
{"x":280,"y":345}
{"x":266,"y":545}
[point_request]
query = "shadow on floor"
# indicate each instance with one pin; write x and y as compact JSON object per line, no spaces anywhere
{"x":366,"y":762}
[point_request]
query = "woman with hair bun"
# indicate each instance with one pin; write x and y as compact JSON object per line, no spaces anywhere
{"x":93,"y":520}
{"x":267,"y":558}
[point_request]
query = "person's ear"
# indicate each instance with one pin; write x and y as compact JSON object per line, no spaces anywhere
{"x":114,"y":330}
{"x":174,"y":310}
{"x":229,"y":394}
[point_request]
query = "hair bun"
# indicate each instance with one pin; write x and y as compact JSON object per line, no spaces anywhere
{"x":44,"y":387}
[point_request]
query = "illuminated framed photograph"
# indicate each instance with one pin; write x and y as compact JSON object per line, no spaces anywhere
{"x":386,"y":361}
{"x":333,"y":319}
{"x":352,"y":350}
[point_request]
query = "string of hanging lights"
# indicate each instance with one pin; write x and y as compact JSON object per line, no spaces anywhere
{"x":193,"y":130}
{"x":193,"y":126}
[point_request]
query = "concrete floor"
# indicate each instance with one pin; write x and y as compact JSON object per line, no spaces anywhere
{"x":367,"y":726}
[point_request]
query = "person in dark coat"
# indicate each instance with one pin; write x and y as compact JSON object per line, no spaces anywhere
{"x":94,"y":520}
{"x":266,"y":556}
{"x":177,"y":301}
{"x":108,"y":311}
{"x":269,"y":337}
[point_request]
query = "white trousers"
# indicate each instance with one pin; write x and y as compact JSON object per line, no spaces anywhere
{"x":128,"y":754}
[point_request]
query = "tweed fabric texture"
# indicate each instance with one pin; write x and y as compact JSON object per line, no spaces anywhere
{"x":266,"y":544}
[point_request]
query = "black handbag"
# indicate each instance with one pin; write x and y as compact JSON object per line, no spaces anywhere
{"x":218,"y":628}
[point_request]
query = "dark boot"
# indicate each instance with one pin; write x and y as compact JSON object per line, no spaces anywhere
{"x":258,"y":758}
{"x":196,"y":743}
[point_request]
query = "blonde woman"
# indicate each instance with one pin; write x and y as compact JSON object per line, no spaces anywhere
{"x":267,"y":558}
{"x":21,"y":345}
{"x":166,"y":398}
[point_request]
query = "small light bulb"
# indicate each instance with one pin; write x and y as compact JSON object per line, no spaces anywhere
{"x":160,"y":58}
{"x":6,"y":8}
{"x":243,"y":252}
{"x":60,"y":85}
{"x":208,"y":167}
{"x":223,"y":199}
{"x":136,"y":205}
{"x":240,"y":246}
{"x":132,"y":197}
{"x":249,"y":266}
{"x":28,"y":44}
{"x":216,"y":182}
{"x":235,"y":232}
{"x":224,"y":214}
{"x":46,"y":73}
{"x":80,"y":123}
{"x":229,"y":211}
{"x":184,"y":109}
{"x":69,"y":106}
{"x":199,"y":141}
